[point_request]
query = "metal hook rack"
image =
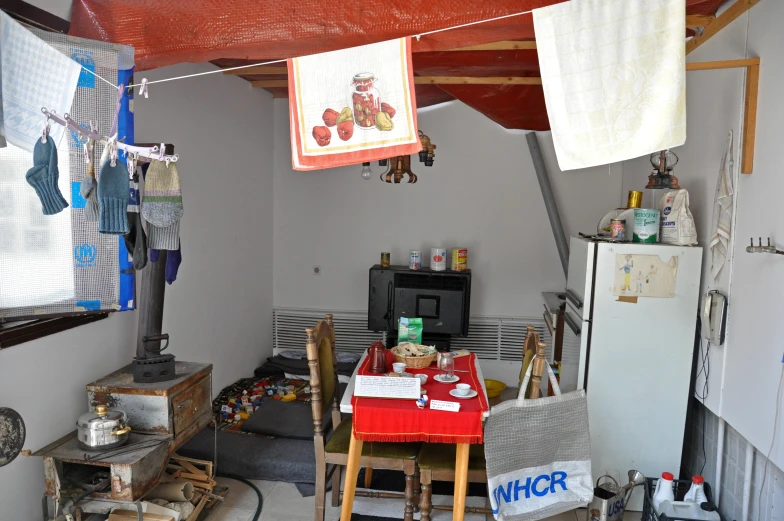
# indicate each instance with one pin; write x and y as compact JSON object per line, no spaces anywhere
{"x":762,"y":249}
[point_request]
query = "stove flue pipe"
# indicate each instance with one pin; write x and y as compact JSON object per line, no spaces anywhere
{"x":549,"y":201}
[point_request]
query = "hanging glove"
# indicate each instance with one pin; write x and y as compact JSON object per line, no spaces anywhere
{"x":113,"y":197}
{"x":44,"y":176}
{"x":173,"y":261}
{"x":135,"y":239}
{"x":162,"y":205}
{"x":89,"y":187}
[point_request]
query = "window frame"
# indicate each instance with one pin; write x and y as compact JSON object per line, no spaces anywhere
{"x":18,"y":330}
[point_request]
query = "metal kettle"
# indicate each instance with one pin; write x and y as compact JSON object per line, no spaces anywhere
{"x":102,"y":429}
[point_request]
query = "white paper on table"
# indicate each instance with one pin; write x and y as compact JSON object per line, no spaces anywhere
{"x":441,"y":405}
{"x":386,"y":387}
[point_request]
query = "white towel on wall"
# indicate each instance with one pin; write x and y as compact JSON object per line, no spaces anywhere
{"x":613,"y":74}
{"x":721,"y":226}
{"x":34,"y":75}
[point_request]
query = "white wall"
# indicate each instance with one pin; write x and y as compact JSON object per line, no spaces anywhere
{"x":44,"y":380}
{"x":714,"y":104}
{"x":481,"y":194}
{"x":219,"y":310}
{"x":745,"y":372}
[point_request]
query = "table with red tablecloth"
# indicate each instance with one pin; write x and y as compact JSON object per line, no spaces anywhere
{"x":394,"y":420}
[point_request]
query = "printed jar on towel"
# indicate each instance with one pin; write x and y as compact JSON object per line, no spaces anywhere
{"x":377,"y":419}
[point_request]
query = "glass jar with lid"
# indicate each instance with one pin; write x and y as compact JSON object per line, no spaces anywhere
{"x":365,"y":99}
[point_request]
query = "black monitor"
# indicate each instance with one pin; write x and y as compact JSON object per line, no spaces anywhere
{"x":440,"y":298}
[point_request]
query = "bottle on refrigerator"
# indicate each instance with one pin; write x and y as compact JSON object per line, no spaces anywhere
{"x":664,"y":490}
{"x":696,"y":493}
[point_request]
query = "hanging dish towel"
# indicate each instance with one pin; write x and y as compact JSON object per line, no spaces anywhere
{"x":722,"y":212}
{"x":34,"y":75}
{"x":613,"y":74}
{"x":352,"y":106}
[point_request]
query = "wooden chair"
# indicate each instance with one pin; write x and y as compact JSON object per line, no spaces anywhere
{"x":436,"y":461}
{"x":332,"y":453}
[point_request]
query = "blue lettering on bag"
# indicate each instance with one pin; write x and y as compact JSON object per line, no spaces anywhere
{"x":528,"y":487}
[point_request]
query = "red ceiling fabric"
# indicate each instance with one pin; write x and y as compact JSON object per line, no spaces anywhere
{"x":237,"y":33}
{"x":164,"y":33}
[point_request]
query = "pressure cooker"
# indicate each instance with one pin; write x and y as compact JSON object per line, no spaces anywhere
{"x":102,"y":429}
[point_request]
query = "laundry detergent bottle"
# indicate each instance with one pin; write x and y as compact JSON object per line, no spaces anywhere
{"x":663,"y":491}
{"x":696,"y":493}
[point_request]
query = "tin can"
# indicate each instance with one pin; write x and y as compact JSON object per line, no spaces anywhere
{"x":414,"y":260}
{"x":634,"y":200}
{"x":618,"y":229}
{"x":646,"y":225}
{"x":437,"y":259}
{"x":459,"y":259}
{"x":385,"y":259}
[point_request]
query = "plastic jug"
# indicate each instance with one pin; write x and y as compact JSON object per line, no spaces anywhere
{"x":696,"y":493}
{"x":663,"y":491}
{"x":686,"y":510}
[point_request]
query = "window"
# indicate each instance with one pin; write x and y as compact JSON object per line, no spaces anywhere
{"x":57,"y":271}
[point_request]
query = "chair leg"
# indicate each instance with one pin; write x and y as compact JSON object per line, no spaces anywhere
{"x":409,"y":512}
{"x":368,"y":476}
{"x":321,"y":488}
{"x":425,"y":506}
{"x":417,"y":489}
{"x":336,"y":480}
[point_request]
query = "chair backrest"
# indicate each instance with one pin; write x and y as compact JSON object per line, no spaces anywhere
{"x":539,"y":363}
{"x":529,"y":350}
{"x":323,"y":370}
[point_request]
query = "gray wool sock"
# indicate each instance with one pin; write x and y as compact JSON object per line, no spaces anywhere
{"x":89,"y":188}
{"x":162,"y":203}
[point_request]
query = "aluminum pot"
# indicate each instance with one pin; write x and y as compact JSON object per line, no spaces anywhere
{"x":102,"y":429}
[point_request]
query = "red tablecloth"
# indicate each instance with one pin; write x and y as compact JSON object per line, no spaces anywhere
{"x":377,"y":419}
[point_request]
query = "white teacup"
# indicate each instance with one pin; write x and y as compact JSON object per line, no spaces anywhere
{"x":463,"y":389}
{"x":422,"y":379}
{"x":399,"y":367}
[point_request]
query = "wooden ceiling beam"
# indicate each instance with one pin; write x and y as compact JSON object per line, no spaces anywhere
{"x":693,"y":21}
{"x":438,"y":80}
{"x":257,"y":70}
{"x":505,"y":45}
{"x":720,"y":22}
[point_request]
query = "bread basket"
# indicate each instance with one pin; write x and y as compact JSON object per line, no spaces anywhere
{"x":414,"y":362}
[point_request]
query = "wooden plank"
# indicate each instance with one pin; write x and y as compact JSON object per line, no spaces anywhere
{"x":698,"y":20}
{"x":750,"y":119}
{"x":722,"y":21}
{"x":258,"y":69}
{"x":505,"y":45}
{"x":722,"y":64}
{"x":439,"y":80}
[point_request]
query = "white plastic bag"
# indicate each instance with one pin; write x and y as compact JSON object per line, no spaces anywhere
{"x":538,"y":455}
{"x":677,"y":223}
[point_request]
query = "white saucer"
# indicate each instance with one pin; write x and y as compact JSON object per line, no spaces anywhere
{"x":441,"y":379}
{"x":470,"y":394}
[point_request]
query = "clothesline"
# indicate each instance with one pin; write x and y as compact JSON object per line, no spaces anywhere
{"x":417,"y":36}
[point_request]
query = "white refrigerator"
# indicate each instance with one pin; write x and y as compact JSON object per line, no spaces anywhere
{"x":635,"y":307}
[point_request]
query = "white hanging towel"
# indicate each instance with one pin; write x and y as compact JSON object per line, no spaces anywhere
{"x":613,"y":73}
{"x":34,"y":75}
{"x":722,"y":212}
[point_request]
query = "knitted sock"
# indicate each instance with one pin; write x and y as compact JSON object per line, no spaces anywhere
{"x":135,"y":239}
{"x":154,"y":254}
{"x":113,"y":198}
{"x":163,"y":238}
{"x":173,"y":261}
{"x":162,"y":205}
{"x":44,"y":175}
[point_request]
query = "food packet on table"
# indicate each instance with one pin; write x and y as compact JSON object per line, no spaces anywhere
{"x":409,"y":330}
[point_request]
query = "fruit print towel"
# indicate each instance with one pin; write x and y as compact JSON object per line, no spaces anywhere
{"x":352,"y":106}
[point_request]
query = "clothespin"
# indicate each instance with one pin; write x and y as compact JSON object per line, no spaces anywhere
{"x":46,"y":130}
{"x":87,"y":147}
{"x":130,"y":161}
{"x":112,"y":144}
{"x":144,"y":89}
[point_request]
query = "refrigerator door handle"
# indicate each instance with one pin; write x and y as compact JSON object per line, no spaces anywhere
{"x":573,"y":325}
{"x":573,"y":299}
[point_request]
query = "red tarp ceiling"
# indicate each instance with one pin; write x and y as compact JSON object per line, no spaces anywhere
{"x":174,"y":31}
